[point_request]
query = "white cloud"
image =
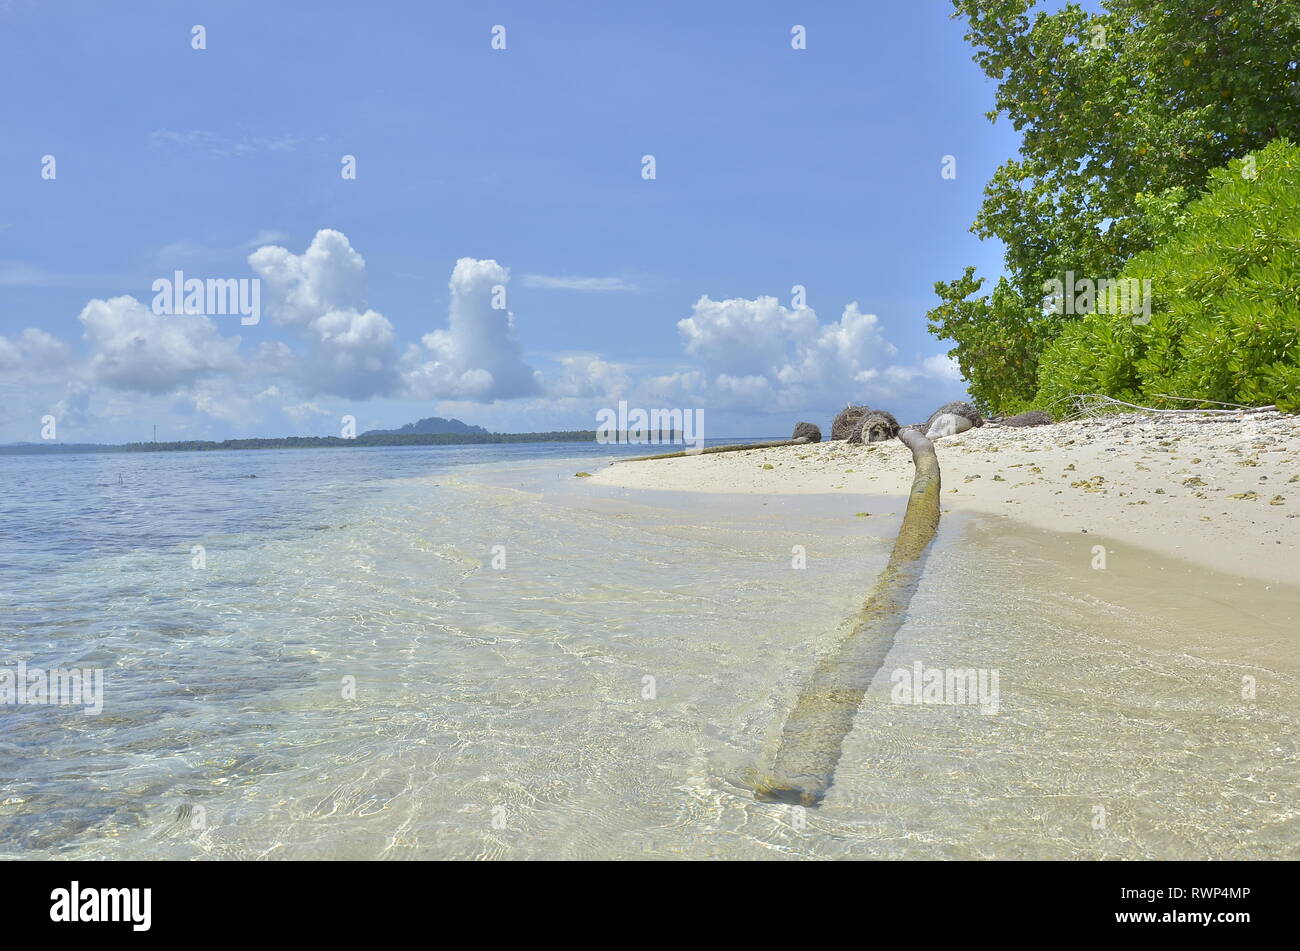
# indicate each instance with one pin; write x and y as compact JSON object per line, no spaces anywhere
{"x":330,"y":275}
{"x":74,"y":409}
{"x":321,"y":294}
{"x":758,"y":357}
{"x":751,"y":389}
{"x":131,"y":348}
{"x":301,"y":413}
{"x":478,"y":356}
{"x":353,"y":355}
{"x":588,"y":376}
{"x":749,"y":360}
{"x":674,"y":389}
{"x":738,"y":336}
{"x":219,"y":400}
{"x":46,"y":351}
{"x":273,"y":358}
{"x":349,"y":350}
{"x":585,"y":284}
{"x":751,"y":350}
{"x":942,"y":367}
{"x":32,"y":352}
{"x":244,"y":402}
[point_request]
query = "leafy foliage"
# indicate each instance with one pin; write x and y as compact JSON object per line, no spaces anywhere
{"x":997,"y":348}
{"x":1123,"y":116}
{"x":1226,"y":309}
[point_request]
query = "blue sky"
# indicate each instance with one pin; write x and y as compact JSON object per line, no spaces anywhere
{"x":775,"y":167}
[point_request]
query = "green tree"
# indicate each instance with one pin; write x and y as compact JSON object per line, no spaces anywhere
{"x":1122,"y":116}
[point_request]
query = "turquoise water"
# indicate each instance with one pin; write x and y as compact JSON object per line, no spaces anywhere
{"x":349,"y":676}
{"x":480,"y":694}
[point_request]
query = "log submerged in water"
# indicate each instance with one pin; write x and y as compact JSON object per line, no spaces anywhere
{"x":813,"y":738}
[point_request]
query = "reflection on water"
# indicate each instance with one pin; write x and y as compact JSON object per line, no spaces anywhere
{"x":606,"y":693}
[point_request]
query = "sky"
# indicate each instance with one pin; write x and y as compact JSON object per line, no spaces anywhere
{"x":502,"y":254}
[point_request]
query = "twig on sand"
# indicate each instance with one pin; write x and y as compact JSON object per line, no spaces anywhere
{"x":1096,"y":404}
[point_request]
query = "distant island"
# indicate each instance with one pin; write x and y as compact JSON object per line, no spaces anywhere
{"x":402,"y":437}
{"x":433,"y":425}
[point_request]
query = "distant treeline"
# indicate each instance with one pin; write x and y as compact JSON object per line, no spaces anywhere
{"x":311,"y":442}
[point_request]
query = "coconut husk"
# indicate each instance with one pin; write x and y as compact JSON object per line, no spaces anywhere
{"x":846,"y":420}
{"x":876,"y":426}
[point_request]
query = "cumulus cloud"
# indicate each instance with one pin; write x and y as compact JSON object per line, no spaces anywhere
{"x":478,"y":356}
{"x":329,"y":276}
{"x":757,"y":356}
{"x":942,"y":367}
{"x":32,"y":351}
{"x":219,"y":400}
{"x":757,"y":349}
{"x":353,"y":354}
{"x":43,"y":348}
{"x":74,"y":409}
{"x":674,"y":389}
{"x":337,"y":345}
{"x":273,"y":359}
{"x":301,"y":413}
{"x":748,"y":358}
{"x":321,"y":295}
{"x":131,"y":348}
{"x":589,"y":376}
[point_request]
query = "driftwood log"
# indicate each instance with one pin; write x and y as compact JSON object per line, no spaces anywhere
{"x":705,"y":450}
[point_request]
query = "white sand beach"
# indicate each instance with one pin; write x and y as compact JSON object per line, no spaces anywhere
{"x":1223,"y":493}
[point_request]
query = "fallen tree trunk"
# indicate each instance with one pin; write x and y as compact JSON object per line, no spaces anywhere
{"x":735,"y":447}
{"x":813,"y":738}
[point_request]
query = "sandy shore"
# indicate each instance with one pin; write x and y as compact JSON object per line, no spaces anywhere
{"x":1222,"y":494}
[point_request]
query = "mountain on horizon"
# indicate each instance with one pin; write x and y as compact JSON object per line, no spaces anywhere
{"x":431,"y":425}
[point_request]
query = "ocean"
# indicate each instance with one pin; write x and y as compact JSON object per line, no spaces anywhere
{"x":467,"y":653}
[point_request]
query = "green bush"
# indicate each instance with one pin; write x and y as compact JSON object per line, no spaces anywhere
{"x":1123,"y":111}
{"x":1225,"y":307}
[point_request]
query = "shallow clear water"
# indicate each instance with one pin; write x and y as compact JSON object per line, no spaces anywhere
{"x":608,"y":692}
